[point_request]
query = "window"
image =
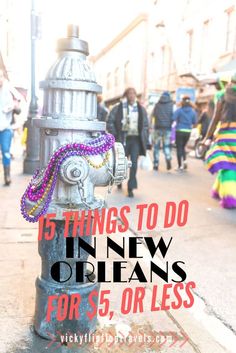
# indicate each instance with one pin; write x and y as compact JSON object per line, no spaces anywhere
{"x":204,"y":45}
{"x":8,"y":44}
{"x":170,"y":61}
{"x":116,"y":80}
{"x":163,"y":59}
{"x":127,"y":73}
{"x":206,"y":30}
{"x":230,"y":30}
{"x":190,"y":45}
{"x":108,"y":81}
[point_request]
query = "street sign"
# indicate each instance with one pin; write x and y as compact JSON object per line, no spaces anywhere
{"x":185,"y":91}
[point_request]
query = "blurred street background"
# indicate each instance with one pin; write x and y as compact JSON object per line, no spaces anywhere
{"x":183,"y":47}
{"x":151,"y":45}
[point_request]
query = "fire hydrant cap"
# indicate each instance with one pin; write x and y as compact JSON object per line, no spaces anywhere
{"x":72,"y":42}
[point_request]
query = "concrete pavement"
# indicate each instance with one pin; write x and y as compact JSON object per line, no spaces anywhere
{"x":207,"y":243}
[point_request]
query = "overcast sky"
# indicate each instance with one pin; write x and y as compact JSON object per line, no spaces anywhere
{"x":99,"y":20}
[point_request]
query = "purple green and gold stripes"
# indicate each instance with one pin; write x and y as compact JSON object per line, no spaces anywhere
{"x":224,"y":188}
{"x":222,"y":155}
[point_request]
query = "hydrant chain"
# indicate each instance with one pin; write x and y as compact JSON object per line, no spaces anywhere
{"x":81,"y":192}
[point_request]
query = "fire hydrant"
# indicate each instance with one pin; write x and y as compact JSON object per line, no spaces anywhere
{"x":76,"y":155}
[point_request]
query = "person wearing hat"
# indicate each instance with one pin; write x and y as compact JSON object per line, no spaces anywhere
{"x":221,"y":157}
{"x":162,"y":120}
{"x":185,"y":118}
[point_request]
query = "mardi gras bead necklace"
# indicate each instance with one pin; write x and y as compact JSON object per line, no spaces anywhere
{"x":42,"y":184}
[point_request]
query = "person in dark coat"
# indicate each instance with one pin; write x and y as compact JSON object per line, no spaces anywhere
{"x":204,"y":119}
{"x":128,"y":122}
{"x":162,"y":121}
{"x":102,"y":111}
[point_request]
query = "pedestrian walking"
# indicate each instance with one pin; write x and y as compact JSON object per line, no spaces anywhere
{"x":128,"y":122}
{"x":185,"y":117}
{"x":204,"y":119}
{"x":6,"y":109}
{"x":162,"y":120}
{"x":221,"y":157}
{"x":102,"y":111}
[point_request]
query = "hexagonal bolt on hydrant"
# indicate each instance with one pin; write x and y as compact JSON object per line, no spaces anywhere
{"x":76,"y":155}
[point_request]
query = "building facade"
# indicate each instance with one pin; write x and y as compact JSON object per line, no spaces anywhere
{"x":15,"y":40}
{"x":175,"y":44}
{"x":123,"y":62}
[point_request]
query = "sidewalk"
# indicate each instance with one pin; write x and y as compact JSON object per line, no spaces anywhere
{"x":20,"y":265}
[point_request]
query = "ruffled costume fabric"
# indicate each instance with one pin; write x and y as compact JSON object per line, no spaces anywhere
{"x":221,"y":159}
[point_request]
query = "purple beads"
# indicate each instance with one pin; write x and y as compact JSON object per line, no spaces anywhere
{"x":35,"y":193}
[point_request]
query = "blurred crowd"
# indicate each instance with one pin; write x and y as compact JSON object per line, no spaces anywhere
{"x":170,"y":126}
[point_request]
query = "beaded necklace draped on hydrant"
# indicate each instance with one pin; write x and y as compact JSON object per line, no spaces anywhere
{"x":42,"y":184}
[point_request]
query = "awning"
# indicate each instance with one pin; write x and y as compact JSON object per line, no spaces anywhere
{"x":229,"y":66}
{"x":210,"y":78}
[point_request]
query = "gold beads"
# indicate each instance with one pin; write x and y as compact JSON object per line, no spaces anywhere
{"x":100,"y":165}
{"x":35,"y":207}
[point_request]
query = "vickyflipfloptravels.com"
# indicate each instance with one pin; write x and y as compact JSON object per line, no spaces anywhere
{"x":168,"y":280}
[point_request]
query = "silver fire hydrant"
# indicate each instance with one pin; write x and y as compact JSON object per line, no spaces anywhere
{"x":76,"y":155}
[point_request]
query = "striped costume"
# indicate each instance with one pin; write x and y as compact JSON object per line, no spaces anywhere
{"x":221,"y":159}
